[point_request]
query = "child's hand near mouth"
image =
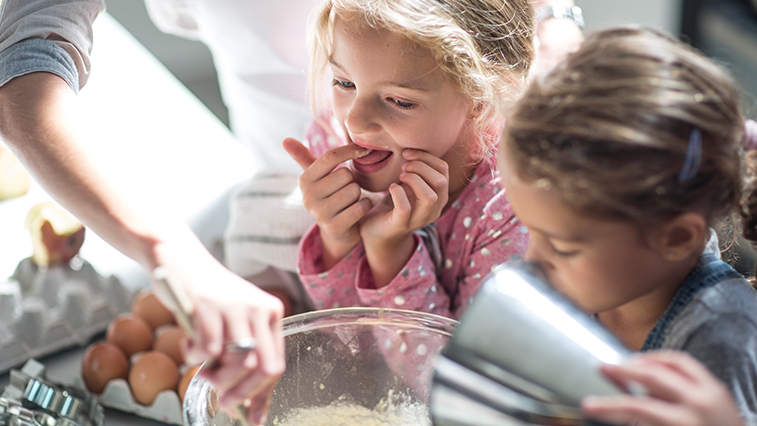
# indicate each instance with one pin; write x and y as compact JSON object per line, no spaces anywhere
{"x":387,"y":229}
{"x":332,"y":196}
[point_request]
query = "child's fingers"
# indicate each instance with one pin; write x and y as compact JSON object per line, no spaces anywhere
{"x":426,"y":198}
{"x":334,"y":213}
{"x":352,"y":214}
{"x":428,"y":177}
{"x":630,"y":410}
{"x":321,"y":166}
{"x":682,"y":362}
{"x":334,"y":157}
{"x":433,"y":177}
{"x":435,"y":162}
{"x":346,"y":196}
{"x":402,"y":210}
{"x":347,"y":217}
{"x":429,"y":202}
{"x":326,"y":198}
{"x":299,"y":152}
{"x":658,"y":380}
{"x":318,"y":190}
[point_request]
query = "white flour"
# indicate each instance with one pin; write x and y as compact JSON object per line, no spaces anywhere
{"x":387,"y":412}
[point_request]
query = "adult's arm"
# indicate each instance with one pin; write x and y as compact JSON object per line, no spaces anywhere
{"x":40,"y":120}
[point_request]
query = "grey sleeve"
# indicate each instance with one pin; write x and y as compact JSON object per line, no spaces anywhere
{"x":34,"y":55}
{"x":727,"y":345}
{"x":65,"y":23}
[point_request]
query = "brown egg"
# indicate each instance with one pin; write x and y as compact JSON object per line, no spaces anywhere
{"x":130,"y":333}
{"x":168,"y":341}
{"x":148,"y":307}
{"x":184,"y":382}
{"x":103,"y":362}
{"x":152,"y":373}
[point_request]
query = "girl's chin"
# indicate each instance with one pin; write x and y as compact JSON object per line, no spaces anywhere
{"x":373,"y":185}
{"x":377,"y":182}
{"x":373,"y":188}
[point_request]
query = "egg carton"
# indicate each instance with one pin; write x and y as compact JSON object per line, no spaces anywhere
{"x":117,"y":394}
{"x":43,"y":310}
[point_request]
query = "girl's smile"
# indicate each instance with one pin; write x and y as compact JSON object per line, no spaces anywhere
{"x":388,"y":95}
{"x":372,"y":162}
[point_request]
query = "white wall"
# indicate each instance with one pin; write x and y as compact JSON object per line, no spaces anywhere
{"x":660,"y":14}
{"x":189,"y":61}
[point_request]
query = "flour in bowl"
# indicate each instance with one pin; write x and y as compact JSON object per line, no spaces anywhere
{"x":388,"y":412}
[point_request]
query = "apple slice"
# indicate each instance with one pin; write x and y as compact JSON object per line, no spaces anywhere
{"x":57,"y":235}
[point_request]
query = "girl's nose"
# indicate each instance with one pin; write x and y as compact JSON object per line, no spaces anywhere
{"x":534,"y":255}
{"x":361,"y":117}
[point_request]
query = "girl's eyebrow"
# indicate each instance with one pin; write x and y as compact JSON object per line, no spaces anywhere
{"x":549,"y":236}
{"x":333,"y":62}
{"x":414,"y":84}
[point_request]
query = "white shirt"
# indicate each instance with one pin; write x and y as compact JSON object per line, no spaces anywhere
{"x":260,"y":53}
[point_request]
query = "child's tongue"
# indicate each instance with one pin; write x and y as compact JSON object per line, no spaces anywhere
{"x":376,"y":156}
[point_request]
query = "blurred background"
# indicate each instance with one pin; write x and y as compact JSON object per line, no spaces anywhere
{"x":723,"y":29}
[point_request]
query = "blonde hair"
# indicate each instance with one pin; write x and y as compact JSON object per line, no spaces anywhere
{"x":609,"y":129}
{"x":484,"y":47}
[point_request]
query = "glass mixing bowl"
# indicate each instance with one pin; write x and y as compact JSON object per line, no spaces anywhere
{"x":347,"y":361}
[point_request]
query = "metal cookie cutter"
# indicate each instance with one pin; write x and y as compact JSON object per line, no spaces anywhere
{"x":31,"y":400}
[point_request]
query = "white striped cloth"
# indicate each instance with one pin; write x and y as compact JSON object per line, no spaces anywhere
{"x":267,"y":220}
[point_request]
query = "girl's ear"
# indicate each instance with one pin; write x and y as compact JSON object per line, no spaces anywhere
{"x":682,"y":236}
{"x":475,"y":110}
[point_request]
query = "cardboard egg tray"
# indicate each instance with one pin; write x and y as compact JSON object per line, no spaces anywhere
{"x":45,"y":310}
{"x":117,"y":394}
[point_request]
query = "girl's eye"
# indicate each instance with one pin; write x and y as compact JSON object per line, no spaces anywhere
{"x":343,"y":84}
{"x":564,"y":253}
{"x":401,"y":104}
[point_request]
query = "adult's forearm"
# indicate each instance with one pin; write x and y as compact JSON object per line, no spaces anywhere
{"x":40,"y":121}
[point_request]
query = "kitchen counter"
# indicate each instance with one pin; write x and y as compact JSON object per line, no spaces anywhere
{"x":163,"y":150}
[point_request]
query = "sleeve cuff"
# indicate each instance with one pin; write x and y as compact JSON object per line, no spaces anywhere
{"x":38,"y":55}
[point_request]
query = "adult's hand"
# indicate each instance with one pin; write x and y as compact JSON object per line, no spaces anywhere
{"x":229,"y":309}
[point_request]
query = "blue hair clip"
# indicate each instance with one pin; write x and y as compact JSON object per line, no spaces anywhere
{"x":693,"y":157}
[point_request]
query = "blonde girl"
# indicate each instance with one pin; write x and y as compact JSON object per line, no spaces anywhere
{"x":620,"y":161}
{"x":418,"y":88}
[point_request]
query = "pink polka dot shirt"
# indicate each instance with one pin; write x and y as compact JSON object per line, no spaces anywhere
{"x":477,"y":232}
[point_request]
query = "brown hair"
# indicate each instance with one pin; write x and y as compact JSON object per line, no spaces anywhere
{"x":610,"y":128}
{"x":484,"y":47}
